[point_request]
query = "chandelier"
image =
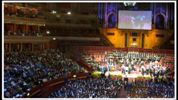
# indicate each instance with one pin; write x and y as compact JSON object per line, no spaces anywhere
{"x":129,"y":3}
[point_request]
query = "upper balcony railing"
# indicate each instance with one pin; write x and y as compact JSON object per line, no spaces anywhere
{"x":24,"y":20}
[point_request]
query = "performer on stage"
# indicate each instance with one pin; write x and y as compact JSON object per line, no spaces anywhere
{"x":142,"y":69}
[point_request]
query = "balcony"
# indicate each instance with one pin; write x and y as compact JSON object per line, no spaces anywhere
{"x":23,"y":20}
{"x":35,"y":39}
{"x":70,"y":25}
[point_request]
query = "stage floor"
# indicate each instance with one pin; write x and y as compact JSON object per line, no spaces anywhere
{"x":132,"y":75}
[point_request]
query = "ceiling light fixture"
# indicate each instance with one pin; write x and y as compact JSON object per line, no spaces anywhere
{"x":129,"y":3}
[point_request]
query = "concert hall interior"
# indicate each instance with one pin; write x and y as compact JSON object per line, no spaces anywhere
{"x":89,"y":50}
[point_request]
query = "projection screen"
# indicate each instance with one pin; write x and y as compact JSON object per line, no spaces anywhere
{"x":141,"y":20}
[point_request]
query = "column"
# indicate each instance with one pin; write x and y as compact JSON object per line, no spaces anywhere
{"x":154,"y":15}
{"x":166,"y":19}
{"x":38,"y":30}
{"x":105,"y":17}
{"x":26,"y":29}
{"x":126,"y":39}
{"x":14,"y":28}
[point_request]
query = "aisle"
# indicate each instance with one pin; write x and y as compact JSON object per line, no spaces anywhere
{"x":123,"y":93}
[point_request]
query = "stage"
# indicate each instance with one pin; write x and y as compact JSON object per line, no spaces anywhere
{"x":131,"y":75}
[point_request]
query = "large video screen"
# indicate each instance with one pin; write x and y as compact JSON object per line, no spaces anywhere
{"x":135,"y":20}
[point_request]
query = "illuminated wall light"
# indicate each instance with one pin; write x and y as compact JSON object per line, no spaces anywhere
{"x":47,"y":32}
{"x":134,"y":44}
{"x":53,"y":12}
{"x":69,"y":13}
{"x":74,"y":76}
{"x":28,"y":94}
{"x":54,"y":38}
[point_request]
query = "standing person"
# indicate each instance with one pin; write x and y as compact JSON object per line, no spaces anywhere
{"x":126,"y":69}
{"x":125,"y":81}
{"x":147,"y":69}
{"x":142,"y":70}
{"x":123,"y":68}
{"x":151,"y":71}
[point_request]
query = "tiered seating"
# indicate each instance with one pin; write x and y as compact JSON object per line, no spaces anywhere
{"x":151,"y":89}
{"x":24,"y":71}
{"x":18,"y":18}
{"x":91,"y":61}
{"x":90,"y":88}
{"x":20,"y":11}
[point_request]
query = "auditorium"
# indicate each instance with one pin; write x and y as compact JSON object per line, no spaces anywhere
{"x":89,"y":50}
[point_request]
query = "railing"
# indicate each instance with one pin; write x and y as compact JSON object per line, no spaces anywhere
{"x":45,"y":89}
{"x":86,"y":66}
{"x":105,"y":48}
{"x":23,"y":20}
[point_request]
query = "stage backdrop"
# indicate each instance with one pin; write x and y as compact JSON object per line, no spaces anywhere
{"x":135,"y":20}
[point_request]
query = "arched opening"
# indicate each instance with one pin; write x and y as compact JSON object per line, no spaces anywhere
{"x":112,"y":21}
{"x":160,"y":21}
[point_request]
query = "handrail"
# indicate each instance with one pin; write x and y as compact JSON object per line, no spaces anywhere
{"x":86,"y":66}
{"x":21,"y":20}
{"x":46,"y":88}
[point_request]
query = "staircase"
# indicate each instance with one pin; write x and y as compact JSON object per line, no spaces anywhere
{"x":86,"y":66}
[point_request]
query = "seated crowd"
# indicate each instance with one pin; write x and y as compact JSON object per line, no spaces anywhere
{"x":89,"y":88}
{"x":151,"y":89}
{"x":28,"y":12}
{"x":24,"y":71}
{"x":109,"y":88}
